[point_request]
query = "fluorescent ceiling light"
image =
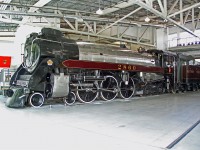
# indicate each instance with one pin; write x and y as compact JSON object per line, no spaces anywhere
{"x":99,"y":11}
{"x":165,"y":20}
{"x":41,"y":3}
{"x":147,"y":19}
{"x":82,"y":42}
{"x":125,"y":50}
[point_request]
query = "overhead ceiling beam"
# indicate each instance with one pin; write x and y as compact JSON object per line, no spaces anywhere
{"x":186,"y":17}
{"x":71,"y":26}
{"x":103,"y":36}
{"x":185,"y":9}
{"x":76,"y":17}
{"x":38,"y":14}
{"x":35,"y":7}
{"x":10,"y":21}
{"x":45,"y":7}
{"x":165,"y":6}
{"x":118,"y":7}
{"x":76,"y":31}
{"x":120,"y":19}
{"x":159,"y":14}
{"x":161,"y":6}
{"x":89,"y":27}
{"x":39,"y":4}
{"x":198,"y":20}
{"x":3,"y":7}
{"x":181,"y":14}
{"x":173,"y":6}
{"x":122,"y":5}
{"x":193,"y":20}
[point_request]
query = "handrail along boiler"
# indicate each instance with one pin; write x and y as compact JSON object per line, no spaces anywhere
{"x":57,"y":67}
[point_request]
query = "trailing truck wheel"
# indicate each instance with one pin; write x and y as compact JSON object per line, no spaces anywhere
{"x":159,"y":89}
{"x":127,"y":89}
{"x":36,"y":100}
{"x":109,"y":88}
{"x":173,"y":90}
{"x":87,"y":94}
{"x":147,"y":90}
{"x":194,"y":87}
{"x":71,"y":99}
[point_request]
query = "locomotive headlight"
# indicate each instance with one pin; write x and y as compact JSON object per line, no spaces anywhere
{"x":49,"y":62}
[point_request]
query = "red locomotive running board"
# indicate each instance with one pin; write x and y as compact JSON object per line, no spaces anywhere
{"x":110,"y":66}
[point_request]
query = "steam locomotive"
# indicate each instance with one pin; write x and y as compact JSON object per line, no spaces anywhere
{"x":55,"y":67}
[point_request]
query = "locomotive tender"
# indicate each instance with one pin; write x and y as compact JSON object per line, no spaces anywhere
{"x":56,"y":67}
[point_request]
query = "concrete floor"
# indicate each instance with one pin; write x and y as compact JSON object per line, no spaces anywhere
{"x":143,"y":123}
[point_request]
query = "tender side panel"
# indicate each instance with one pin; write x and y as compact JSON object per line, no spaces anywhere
{"x":192,"y":73}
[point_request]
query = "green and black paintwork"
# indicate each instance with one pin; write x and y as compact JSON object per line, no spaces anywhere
{"x":36,"y":76}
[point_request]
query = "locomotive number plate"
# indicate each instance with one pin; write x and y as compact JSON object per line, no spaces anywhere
{"x":126,"y":67}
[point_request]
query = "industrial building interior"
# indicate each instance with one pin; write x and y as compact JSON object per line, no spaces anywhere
{"x":153,"y":122}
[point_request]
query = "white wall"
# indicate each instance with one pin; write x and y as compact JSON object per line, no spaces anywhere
{"x":24,"y":30}
{"x":162,"y":40}
{"x":7,"y":49}
{"x":20,"y":39}
{"x":174,"y":29}
{"x":7,"y":36}
{"x":179,"y":36}
{"x":14,"y":47}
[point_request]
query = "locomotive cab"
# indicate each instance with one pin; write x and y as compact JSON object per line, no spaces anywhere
{"x":166,"y":60}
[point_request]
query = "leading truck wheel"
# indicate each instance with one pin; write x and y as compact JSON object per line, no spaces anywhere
{"x":36,"y":100}
{"x":109,"y":88}
{"x":127,"y":89}
{"x":71,"y":99}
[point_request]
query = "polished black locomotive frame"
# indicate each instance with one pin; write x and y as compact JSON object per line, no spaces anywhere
{"x":56,"y":67}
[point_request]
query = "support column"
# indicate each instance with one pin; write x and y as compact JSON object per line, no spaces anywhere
{"x":162,"y":40}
